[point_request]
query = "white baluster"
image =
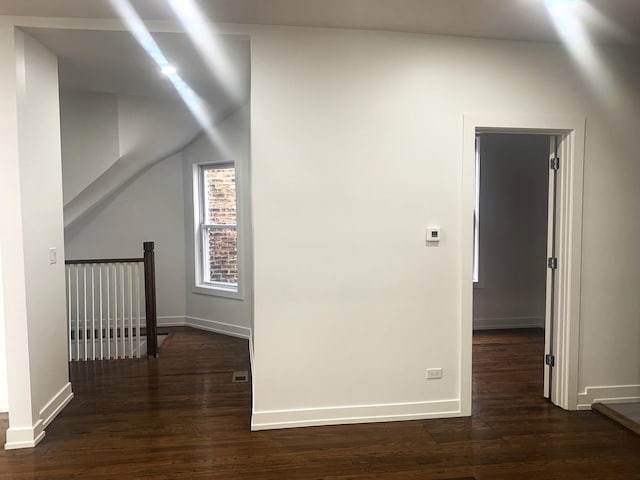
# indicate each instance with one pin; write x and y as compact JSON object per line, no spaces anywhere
{"x":115,"y":309}
{"x":84,"y":299}
{"x":129,"y":272}
{"x":123,"y":339}
{"x":93,"y":314}
{"x":108,"y":279}
{"x":100,"y":312}
{"x":137,"y":275}
{"x":77,"y":312}
{"x":68,"y":272}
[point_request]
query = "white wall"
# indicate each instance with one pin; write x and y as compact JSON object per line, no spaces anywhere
{"x":356,"y":148}
{"x":34,"y":292}
{"x":609,"y":326}
{"x":513,"y":225}
{"x":232,"y":316}
{"x":90,"y":138}
{"x":14,"y":308}
{"x":146,"y":131}
{"x":145,"y":123}
{"x":150,"y":208}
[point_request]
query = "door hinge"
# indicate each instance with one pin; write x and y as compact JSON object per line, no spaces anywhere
{"x":554,"y":163}
{"x":553,"y":263}
{"x":550,"y":360}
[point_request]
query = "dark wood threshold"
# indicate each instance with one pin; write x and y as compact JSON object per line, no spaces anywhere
{"x":616,"y":417}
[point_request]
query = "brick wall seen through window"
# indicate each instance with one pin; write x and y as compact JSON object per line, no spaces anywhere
{"x":220,"y":225}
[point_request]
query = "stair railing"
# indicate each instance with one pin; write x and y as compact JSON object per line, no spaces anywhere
{"x":104,"y":307}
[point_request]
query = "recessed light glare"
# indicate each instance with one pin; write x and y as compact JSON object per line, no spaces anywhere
{"x":168,"y":70}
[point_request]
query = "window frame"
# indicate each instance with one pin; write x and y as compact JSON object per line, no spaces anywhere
{"x":201,"y":285}
{"x":476,"y":217}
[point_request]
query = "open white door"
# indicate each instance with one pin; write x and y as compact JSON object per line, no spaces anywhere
{"x":552,"y":265}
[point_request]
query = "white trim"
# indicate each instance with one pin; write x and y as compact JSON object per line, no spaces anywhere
{"x":27,"y":437}
{"x":218,"y":327}
{"x":60,"y":400}
{"x":170,"y":321}
{"x":159,"y":26}
{"x":569,"y":242}
{"x":253,"y":373}
{"x":507,"y":323}
{"x":199,"y":286}
{"x":251,"y":351}
{"x":609,"y":393}
{"x":218,"y":291}
{"x":309,"y":417}
{"x":209,"y":326}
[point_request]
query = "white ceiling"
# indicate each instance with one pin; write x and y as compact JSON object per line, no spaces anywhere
{"x":507,"y":19}
{"x":113,"y":62}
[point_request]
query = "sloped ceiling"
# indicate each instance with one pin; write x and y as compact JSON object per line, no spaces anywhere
{"x":615,"y":21}
{"x":113,"y":62}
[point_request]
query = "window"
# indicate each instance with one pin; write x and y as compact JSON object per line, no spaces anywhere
{"x":218,"y":229}
{"x":476,"y":217}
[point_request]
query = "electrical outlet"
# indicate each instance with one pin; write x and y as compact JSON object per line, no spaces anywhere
{"x":434,"y":373}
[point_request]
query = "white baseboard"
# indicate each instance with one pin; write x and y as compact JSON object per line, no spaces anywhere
{"x":29,"y":437}
{"x":171,"y":321}
{"x":205,"y":324}
{"x":26,"y":437}
{"x":274,"y":419}
{"x":218,"y":327}
{"x":253,"y":372}
{"x":251,"y":350}
{"x":609,"y":393}
{"x":56,"y":404}
{"x":507,"y":323}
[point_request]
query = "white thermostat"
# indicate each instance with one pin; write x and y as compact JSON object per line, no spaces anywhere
{"x":433,"y":234}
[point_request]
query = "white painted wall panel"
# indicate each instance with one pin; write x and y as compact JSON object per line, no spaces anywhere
{"x":11,"y":236}
{"x":90,"y":143}
{"x":41,"y":190}
{"x":356,"y":149}
{"x":34,"y":292}
{"x":147,"y":131}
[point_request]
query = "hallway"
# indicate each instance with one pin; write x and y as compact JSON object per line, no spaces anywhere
{"x":181,"y":417}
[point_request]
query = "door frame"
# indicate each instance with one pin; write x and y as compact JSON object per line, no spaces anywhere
{"x":566,"y":328}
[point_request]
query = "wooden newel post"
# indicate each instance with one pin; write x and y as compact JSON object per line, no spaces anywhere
{"x":150,"y":299}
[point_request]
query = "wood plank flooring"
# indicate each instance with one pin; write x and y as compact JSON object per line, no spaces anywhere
{"x":181,"y":417}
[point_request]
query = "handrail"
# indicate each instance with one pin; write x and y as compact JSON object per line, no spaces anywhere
{"x":104,"y":260}
{"x":148,"y":260}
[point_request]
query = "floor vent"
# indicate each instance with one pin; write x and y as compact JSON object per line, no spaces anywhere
{"x":240,"y":376}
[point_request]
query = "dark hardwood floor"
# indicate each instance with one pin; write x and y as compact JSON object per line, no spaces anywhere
{"x":181,"y":417}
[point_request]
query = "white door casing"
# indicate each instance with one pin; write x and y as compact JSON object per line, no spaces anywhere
{"x":565,"y":334}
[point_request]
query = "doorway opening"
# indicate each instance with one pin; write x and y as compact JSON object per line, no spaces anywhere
{"x":563,"y":314}
{"x":513,"y":239}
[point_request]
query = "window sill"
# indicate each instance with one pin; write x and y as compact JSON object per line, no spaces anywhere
{"x":216,"y":291}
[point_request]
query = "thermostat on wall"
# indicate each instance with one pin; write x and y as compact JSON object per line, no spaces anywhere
{"x":433,"y":234}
